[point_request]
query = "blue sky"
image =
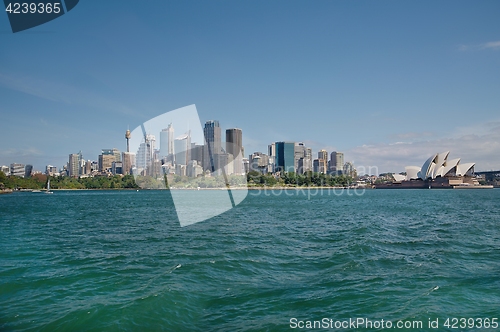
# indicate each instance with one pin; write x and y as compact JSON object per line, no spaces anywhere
{"x":387,"y":82}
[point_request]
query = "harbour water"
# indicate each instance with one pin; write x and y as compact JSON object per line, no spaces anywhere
{"x":118,"y":260}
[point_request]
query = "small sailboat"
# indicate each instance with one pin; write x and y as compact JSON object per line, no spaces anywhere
{"x":48,"y":188}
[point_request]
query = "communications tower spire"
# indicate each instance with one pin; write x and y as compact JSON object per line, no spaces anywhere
{"x":127,"y":136}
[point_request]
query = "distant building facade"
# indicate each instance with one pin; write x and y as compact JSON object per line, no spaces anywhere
{"x":74,"y":165}
{"x":234,"y":146}
{"x":128,"y":162}
{"x":336,"y":162}
{"x":182,"y":146}
{"x":285,"y":156}
{"x":212,"y":133}
{"x":5,"y":169}
{"x":28,"y":171}
{"x":17,"y":169}
{"x":167,"y":146}
{"x":105,"y":162}
{"x":51,"y":170}
{"x":323,"y":160}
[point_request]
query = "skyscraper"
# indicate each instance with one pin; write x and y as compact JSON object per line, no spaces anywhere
{"x":144,"y":157}
{"x":299,"y":151}
{"x":234,"y":145}
{"x":272,"y":150}
{"x":128,"y":162}
{"x":213,"y":144}
{"x":305,"y":163}
{"x":285,"y":156}
{"x":182,"y":146}
{"x":105,"y":162}
{"x":323,"y":160}
{"x":349,"y":169}
{"x":74,"y":164}
{"x":167,"y":144}
{"x":197,"y":154}
{"x":28,"y":170}
{"x":340,"y":162}
{"x":336,"y":162}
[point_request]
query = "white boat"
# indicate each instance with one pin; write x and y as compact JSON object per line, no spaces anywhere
{"x":48,"y":188}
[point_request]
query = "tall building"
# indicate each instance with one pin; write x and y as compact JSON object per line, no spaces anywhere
{"x":128,"y":162}
{"x":117,"y":167}
{"x":167,"y":142}
{"x":212,"y":133}
{"x":197,"y":153}
{"x":17,"y":169}
{"x":323,"y":160}
{"x":336,"y":162}
{"x":114,"y":152}
{"x":302,"y":158}
{"x":117,"y":154}
{"x":234,"y":146}
{"x":272,"y":157}
{"x":349,"y":169}
{"x":305,"y":163}
{"x":319,"y":166}
{"x":323,"y":154}
{"x":182,"y":147}
{"x":272,"y":150}
{"x":299,"y":151}
{"x":28,"y":171}
{"x":88,"y":167}
{"x":105,"y":162}
{"x":308,"y":161}
{"x":285,"y":156}
{"x":144,"y":156}
{"x":74,"y":165}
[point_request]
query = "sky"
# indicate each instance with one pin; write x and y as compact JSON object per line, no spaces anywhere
{"x":389,"y":83}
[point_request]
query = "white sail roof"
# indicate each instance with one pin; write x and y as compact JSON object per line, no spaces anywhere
{"x":440,"y":161}
{"x":449,"y":165}
{"x":437,"y":165}
{"x":424,"y":173}
{"x":412,"y":172}
{"x":462,"y":169}
{"x":399,"y":177}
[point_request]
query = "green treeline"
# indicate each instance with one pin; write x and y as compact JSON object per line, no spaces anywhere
{"x":39,"y":181}
{"x":308,"y":179}
{"x":254,"y":179}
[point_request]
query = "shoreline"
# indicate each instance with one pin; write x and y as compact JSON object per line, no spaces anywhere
{"x":8,"y":191}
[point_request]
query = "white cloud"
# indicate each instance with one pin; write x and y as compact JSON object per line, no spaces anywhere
{"x":467,"y":144}
{"x":494,"y":45}
{"x":31,"y":151}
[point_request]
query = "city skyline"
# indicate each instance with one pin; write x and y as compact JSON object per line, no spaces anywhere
{"x":299,"y":157}
{"x":298,"y":161}
{"x":386,"y":83}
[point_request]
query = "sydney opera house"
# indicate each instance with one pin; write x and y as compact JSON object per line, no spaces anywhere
{"x":436,"y":172}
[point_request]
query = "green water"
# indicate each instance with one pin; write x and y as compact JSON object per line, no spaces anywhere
{"x":118,"y":260}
